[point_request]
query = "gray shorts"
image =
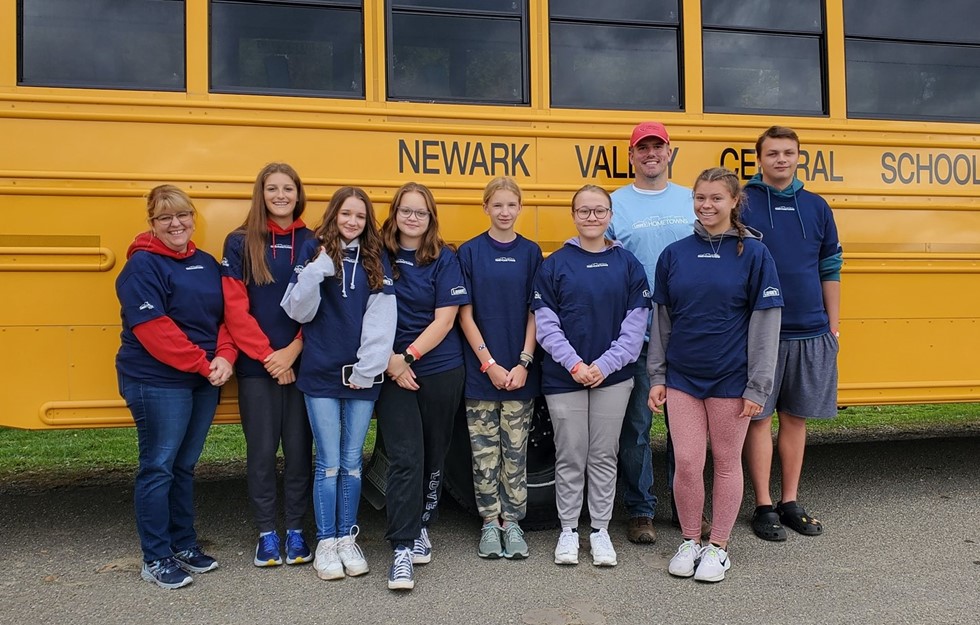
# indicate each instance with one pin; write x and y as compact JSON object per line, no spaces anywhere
{"x":806,"y":379}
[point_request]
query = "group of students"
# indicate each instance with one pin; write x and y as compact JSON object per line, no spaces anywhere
{"x":324,"y":328}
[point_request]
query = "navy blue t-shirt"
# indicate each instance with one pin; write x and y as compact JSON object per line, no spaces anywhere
{"x":591,"y":292}
{"x":263,"y":300}
{"x":419,"y":291}
{"x":331,"y":339}
{"x":498,"y":277}
{"x":187,"y":290}
{"x":711,"y":298}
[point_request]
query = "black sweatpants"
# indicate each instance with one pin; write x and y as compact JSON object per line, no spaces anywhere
{"x":272,"y":413}
{"x":417,"y":427}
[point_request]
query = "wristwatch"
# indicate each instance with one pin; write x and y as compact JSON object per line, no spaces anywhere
{"x":408,"y":356}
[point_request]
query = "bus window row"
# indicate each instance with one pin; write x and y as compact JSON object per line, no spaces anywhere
{"x":904,"y":59}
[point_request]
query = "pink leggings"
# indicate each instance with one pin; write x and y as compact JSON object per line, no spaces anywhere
{"x":692,"y":422}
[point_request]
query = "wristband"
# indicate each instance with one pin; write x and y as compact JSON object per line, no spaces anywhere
{"x":486,"y":366}
{"x":414,"y":352}
{"x":526,"y":356}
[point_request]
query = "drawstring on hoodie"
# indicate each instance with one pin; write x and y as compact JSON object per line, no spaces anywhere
{"x":353,"y":272}
{"x":796,"y":204}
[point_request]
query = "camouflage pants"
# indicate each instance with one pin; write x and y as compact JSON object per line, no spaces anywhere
{"x":498,"y":437}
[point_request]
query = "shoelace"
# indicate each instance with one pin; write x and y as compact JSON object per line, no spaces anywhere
{"x":402,"y":567}
{"x":422,"y":542}
{"x":294,"y":541}
{"x":568,"y":541}
{"x":690,"y":545}
{"x":512,"y":529}
{"x":489,"y":532}
{"x":602,"y":541}
{"x":350,"y":550}
{"x":270,"y":543}
{"x":164,"y":566}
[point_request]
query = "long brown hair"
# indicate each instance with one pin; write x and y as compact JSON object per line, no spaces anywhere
{"x":328,"y":234}
{"x":255,"y":267}
{"x":728,"y":177}
{"x":432,"y":243}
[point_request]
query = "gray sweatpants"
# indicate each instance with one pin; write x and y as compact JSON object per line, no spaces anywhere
{"x":587,"y":425}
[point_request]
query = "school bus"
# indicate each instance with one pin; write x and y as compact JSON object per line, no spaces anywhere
{"x":101,"y":100}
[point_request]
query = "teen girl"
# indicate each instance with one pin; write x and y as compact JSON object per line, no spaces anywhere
{"x":258,"y":262}
{"x":425,"y":376}
{"x":591,"y":304}
{"x":501,"y":381}
{"x":712,"y":356}
{"x":345,"y":300}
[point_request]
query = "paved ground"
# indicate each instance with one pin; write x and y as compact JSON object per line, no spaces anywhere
{"x":901,"y":546}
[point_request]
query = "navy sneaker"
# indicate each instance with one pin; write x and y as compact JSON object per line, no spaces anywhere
{"x":422,"y":548}
{"x":401,"y":575}
{"x":165,"y":573}
{"x":193,"y":560}
{"x":297,"y":551}
{"x":267,"y":550}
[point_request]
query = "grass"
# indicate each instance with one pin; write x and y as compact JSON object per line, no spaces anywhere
{"x":65,"y":452}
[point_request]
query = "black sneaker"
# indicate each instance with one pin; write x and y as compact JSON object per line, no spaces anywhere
{"x":165,"y":573}
{"x":193,"y":560}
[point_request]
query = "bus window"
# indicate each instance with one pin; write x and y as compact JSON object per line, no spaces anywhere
{"x":102,"y":44}
{"x":438,"y":51}
{"x":763,"y":56}
{"x":909,"y":60}
{"x":271,"y":47}
{"x":618,"y":54}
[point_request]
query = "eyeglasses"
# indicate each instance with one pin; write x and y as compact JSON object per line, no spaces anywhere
{"x":183,"y":217}
{"x":405,"y":212}
{"x":600,"y":212}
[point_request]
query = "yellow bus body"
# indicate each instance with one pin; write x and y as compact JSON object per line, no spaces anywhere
{"x":75,"y":164}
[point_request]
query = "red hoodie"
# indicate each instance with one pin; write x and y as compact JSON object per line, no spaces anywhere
{"x":163,"y":338}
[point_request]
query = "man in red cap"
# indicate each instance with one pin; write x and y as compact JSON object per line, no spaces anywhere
{"x":648,"y":214}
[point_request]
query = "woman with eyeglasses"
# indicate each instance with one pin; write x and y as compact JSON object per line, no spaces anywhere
{"x":422,"y":393}
{"x":257,"y":265}
{"x":591,"y":303}
{"x":175,"y":354}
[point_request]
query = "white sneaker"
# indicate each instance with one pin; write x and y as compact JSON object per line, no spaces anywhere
{"x":714,"y":563}
{"x":327,"y":562}
{"x":566,"y":552}
{"x":351,"y":555}
{"x":682,"y":564}
{"x":603,"y":553}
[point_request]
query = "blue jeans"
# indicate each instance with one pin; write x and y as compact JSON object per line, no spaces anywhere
{"x":339,"y":428}
{"x":635,"y":457}
{"x":171,"y":426}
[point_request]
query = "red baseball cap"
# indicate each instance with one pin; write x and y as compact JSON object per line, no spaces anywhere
{"x":649,"y":129}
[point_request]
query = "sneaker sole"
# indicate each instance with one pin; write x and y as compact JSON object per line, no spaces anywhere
{"x":684,"y":574}
{"x":604,"y":562}
{"x":300,"y":560}
{"x":267,"y":563}
{"x":491,"y":556}
{"x":710,"y":580}
{"x":517,"y":555}
{"x":401,"y":585}
{"x":356,"y":571}
{"x":421,"y":559}
{"x":149,"y":578}
{"x":330,"y":575}
{"x":196,"y":569}
{"x":566,"y":561}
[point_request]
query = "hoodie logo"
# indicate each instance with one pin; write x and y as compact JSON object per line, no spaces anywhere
{"x":459,"y":290}
{"x":224,"y":262}
{"x":297,"y":269}
{"x":387,"y":281}
{"x":193,"y":267}
{"x":647,"y":294}
{"x":709,"y":255}
{"x":770,"y":291}
{"x":282,"y":246}
{"x":146,"y":306}
{"x":596,"y":265}
{"x":537,"y":295}
{"x":402,"y":261}
{"x":784,"y":208}
{"x":505,"y":259}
